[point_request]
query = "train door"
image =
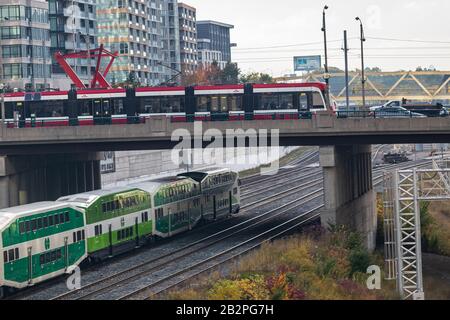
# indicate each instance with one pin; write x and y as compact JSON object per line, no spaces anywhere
{"x":30,"y":265}
{"x":102,"y":111}
{"x":110,"y":241}
{"x":66,"y":253}
{"x":136,"y":223}
{"x":230,"y":201}
{"x":215,"y":207}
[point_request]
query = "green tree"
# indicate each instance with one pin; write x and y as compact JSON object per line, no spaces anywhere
{"x":230,"y":74}
{"x":256,"y":77}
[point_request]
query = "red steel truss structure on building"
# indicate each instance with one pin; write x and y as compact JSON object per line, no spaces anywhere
{"x":99,"y":79}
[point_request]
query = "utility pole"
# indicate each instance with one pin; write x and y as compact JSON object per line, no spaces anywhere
{"x":347,"y":94}
{"x":363,"y":78}
{"x":324,"y":30}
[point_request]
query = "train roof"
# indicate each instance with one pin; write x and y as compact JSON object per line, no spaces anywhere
{"x":86,"y":198}
{"x":202,"y":174}
{"x":151,"y":186}
{"x":8,"y":214}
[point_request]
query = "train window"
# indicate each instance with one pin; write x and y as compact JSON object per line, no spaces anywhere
{"x":67,"y":216}
{"x":108,"y":206}
{"x":39,"y":223}
{"x":61,"y":218}
{"x":50,"y":221}
{"x":56,"y":219}
{"x":11,"y":255}
{"x":83,"y":236}
{"x":235,"y":190}
{"x":5,"y":256}
{"x":22,"y":227}
{"x":33,"y":225}
{"x":42,"y":259}
{"x":78,"y":236}
{"x":45,"y":221}
{"x":74,"y":237}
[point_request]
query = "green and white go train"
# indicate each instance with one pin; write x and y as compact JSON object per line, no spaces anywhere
{"x":44,"y":240}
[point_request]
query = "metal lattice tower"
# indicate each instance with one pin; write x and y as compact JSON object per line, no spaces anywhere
{"x":403,"y":192}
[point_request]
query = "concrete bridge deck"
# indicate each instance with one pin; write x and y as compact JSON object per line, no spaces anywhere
{"x":323,"y":130}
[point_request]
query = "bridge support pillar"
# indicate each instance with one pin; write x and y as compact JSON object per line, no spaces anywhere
{"x":348,"y":192}
{"x":33,"y":178}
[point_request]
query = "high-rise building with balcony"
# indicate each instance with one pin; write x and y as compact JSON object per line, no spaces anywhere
{"x":188,"y":37}
{"x":171,"y":36}
{"x":137,"y":29}
{"x":24,"y":44}
{"x":73,"y":27}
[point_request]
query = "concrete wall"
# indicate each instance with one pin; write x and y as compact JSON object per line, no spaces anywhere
{"x":349,"y":196}
{"x":27,"y":179}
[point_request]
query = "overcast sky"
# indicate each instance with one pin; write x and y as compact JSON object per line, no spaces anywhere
{"x":423,"y":25}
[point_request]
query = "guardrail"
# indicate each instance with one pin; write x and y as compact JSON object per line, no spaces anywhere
{"x":382,"y":114}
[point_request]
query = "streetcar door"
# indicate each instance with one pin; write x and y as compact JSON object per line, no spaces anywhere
{"x":219,"y":108}
{"x":102,"y":111}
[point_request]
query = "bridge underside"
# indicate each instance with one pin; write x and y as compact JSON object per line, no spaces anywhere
{"x":349,"y":195}
{"x":28,"y":179}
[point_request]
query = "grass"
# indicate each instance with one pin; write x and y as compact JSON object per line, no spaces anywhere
{"x":285,"y":160}
{"x":314,"y":266}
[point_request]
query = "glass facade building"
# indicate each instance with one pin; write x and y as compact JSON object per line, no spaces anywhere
{"x":219,"y":35}
{"x":136,"y":29}
{"x":25,"y":44}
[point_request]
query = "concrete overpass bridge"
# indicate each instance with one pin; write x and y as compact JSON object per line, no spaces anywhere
{"x":45,"y":163}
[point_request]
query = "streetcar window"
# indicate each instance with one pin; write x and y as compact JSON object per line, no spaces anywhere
{"x":203,"y":104}
{"x":286,"y":101}
{"x":215,"y":103}
{"x":318,"y":102}
{"x":303,"y":101}
{"x":268,"y":101}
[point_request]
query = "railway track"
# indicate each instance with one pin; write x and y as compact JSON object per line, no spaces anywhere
{"x":247,"y":208}
{"x":104,"y":286}
{"x":184,"y":274}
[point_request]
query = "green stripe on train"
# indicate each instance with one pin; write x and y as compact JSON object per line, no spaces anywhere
{"x":12,"y":236}
{"x":17,"y":271}
{"x":162,"y":225}
{"x":102,"y":241}
{"x":95,"y":214}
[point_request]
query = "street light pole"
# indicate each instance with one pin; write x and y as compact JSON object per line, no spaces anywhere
{"x":324,"y":30}
{"x":363,"y":78}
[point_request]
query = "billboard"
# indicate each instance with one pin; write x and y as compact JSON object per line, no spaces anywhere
{"x":108,"y":163}
{"x":307,"y":63}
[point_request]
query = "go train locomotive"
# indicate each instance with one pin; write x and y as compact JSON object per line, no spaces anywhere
{"x":180,"y":104}
{"x":44,"y":240}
